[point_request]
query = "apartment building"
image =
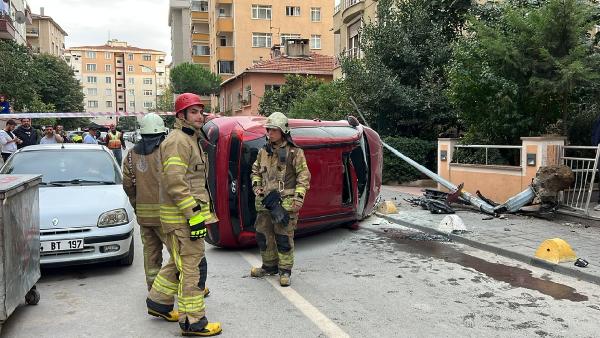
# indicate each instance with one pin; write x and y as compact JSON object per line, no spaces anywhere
{"x":117,"y":77}
{"x":15,"y":15}
{"x":44,"y":35}
{"x":349,"y":15}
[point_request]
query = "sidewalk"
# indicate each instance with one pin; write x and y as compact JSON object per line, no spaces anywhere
{"x":516,"y":237}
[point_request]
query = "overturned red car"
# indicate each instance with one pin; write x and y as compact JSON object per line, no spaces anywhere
{"x":344,"y":158}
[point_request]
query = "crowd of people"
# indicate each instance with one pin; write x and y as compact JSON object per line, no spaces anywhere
{"x":14,"y":137}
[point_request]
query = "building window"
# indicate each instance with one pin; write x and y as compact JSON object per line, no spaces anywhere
{"x":147,"y":81}
{"x":223,"y":41}
{"x":200,"y":6}
{"x":199,"y":50}
{"x":147,"y":92}
{"x":147,"y":57}
{"x":108,"y":79}
{"x":287,"y":36}
{"x":90,"y":55}
{"x":119,"y":61}
{"x":292,"y":10}
{"x":90,"y":67}
{"x":92,"y":104}
{"x":315,"y":42}
{"x":108,"y":104}
{"x":131,"y":80}
{"x":119,"y":85}
{"x":148,"y":104}
{"x":130,"y":56}
{"x":130,"y":68}
{"x":261,"y":40}
{"x":315,"y":14}
{"x":108,"y":68}
{"x":275,"y":87}
{"x":107,"y":55}
{"x":225,"y":67}
{"x":261,"y":12}
{"x":223,"y":12}
{"x":92,"y":91}
{"x":131,"y":104}
{"x":131,"y":92}
{"x":92,"y":79}
{"x":108,"y":92}
{"x":146,"y":69}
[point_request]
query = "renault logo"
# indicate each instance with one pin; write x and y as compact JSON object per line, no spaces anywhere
{"x":55,"y":221}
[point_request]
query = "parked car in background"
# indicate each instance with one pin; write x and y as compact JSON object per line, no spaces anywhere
{"x":85,"y":216}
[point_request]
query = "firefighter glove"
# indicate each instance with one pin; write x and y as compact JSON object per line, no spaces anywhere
{"x":271,"y":200}
{"x":273,"y":203}
{"x":197,"y":227}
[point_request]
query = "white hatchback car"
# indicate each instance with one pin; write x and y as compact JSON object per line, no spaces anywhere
{"x":85,"y":216}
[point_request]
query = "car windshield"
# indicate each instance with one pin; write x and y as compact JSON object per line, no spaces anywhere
{"x":66,"y":166}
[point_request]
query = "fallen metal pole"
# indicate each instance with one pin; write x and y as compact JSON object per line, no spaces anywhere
{"x":511,"y":205}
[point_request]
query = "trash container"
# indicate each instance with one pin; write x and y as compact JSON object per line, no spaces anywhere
{"x":19,"y":241}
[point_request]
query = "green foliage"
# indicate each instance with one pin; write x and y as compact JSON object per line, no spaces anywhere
{"x":525,"y":68}
{"x":329,"y":102}
{"x":399,"y":83}
{"x":194,"y":78}
{"x":127,"y":123}
{"x":166,"y":103}
{"x":396,"y":169}
{"x":40,"y":83}
{"x":295,"y":89}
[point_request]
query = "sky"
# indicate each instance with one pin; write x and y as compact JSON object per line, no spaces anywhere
{"x":142,"y":23}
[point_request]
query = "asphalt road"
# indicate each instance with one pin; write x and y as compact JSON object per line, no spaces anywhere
{"x":373,"y":282}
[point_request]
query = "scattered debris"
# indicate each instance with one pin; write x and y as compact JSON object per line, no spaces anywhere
{"x":488,"y":218}
{"x":582,"y":263}
{"x":387,"y":207}
{"x":451,"y":223}
{"x":506,"y":229}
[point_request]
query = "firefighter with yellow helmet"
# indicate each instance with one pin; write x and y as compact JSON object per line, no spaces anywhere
{"x":185,"y":210}
{"x":280,"y":181}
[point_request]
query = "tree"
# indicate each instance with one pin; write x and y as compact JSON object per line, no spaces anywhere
{"x":55,"y":83}
{"x":296,"y":88}
{"x":194,"y":78}
{"x":526,"y":70}
{"x":400,"y":81}
{"x":166,"y":103}
{"x":329,"y":102}
{"x":16,"y":75}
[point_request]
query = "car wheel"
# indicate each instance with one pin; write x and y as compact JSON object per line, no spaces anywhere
{"x":128,"y":260}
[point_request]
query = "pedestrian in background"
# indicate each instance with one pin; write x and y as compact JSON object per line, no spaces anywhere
{"x":27,"y":134}
{"x":90,"y":137}
{"x":4,"y":105}
{"x":8,"y":140}
{"x":141,"y":179}
{"x":60,"y":130}
{"x":50,"y":136}
{"x":115,"y":142}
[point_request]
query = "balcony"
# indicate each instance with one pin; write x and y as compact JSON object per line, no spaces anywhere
{"x":224,"y":24}
{"x":33,"y":33}
{"x":7,"y":29}
{"x":225,"y":53}
{"x":200,"y":37}
{"x":225,"y":1}
{"x":200,"y":16}
{"x":352,"y":9}
{"x":201,"y":59}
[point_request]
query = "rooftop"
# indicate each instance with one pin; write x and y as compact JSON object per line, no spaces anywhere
{"x":45,"y":17}
{"x":115,"y":45}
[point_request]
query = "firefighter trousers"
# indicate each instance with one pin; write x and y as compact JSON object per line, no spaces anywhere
{"x":182,"y":276}
{"x":152,"y":240}
{"x":276,"y":241}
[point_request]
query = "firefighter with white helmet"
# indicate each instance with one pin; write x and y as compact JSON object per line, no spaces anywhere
{"x":185,"y":211}
{"x":141,"y":177}
{"x":280,"y":181}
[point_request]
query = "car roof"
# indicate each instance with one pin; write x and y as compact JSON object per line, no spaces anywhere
{"x":63,"y":146}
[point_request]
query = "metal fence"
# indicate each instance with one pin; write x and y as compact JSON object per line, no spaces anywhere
{"x":468,"y":158}
{"x":583,"y":161}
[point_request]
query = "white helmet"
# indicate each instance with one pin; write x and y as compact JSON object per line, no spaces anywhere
{"x":152,"y":124}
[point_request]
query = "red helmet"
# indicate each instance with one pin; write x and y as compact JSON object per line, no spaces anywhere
{"x":187,"y":100}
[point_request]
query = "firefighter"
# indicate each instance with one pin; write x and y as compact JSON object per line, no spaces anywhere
{"x":280,"y":180}
{"x":185,"y":211}
{"x":141,"y":175}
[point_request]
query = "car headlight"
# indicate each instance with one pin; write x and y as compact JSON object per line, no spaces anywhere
{"x":113,"y":218}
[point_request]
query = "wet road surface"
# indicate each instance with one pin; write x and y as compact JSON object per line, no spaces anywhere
{"x":380,"y":281}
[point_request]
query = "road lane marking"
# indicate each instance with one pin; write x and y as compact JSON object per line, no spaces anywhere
{"x":326,"y":325}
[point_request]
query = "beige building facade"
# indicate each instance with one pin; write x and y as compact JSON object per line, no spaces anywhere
{"x":348,"y":18}
{"x":117,"y":77}
{"x":15,"y":15}
{"x":44,"y":35}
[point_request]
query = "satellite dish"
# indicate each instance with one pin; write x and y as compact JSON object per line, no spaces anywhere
{"x":20,"y":17}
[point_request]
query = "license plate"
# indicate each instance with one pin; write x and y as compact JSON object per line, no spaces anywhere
{"x":65,"y":245}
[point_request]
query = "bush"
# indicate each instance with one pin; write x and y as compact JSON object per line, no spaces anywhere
{"x":397,"y":170}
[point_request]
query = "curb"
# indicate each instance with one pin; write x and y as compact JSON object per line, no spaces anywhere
{"x":564,"y":270}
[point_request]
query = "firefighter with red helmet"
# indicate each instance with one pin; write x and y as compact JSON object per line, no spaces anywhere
{"x":185,"y":211}
{"x":280,"y":181}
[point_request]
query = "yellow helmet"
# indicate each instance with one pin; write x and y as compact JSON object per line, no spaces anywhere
{"x":278,"y":120}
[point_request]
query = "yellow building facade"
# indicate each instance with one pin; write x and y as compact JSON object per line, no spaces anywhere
{"x":45,"y":35}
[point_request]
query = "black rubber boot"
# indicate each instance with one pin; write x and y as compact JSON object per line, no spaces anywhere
{"x":163,"y":311}
{"x":202,"y":328}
